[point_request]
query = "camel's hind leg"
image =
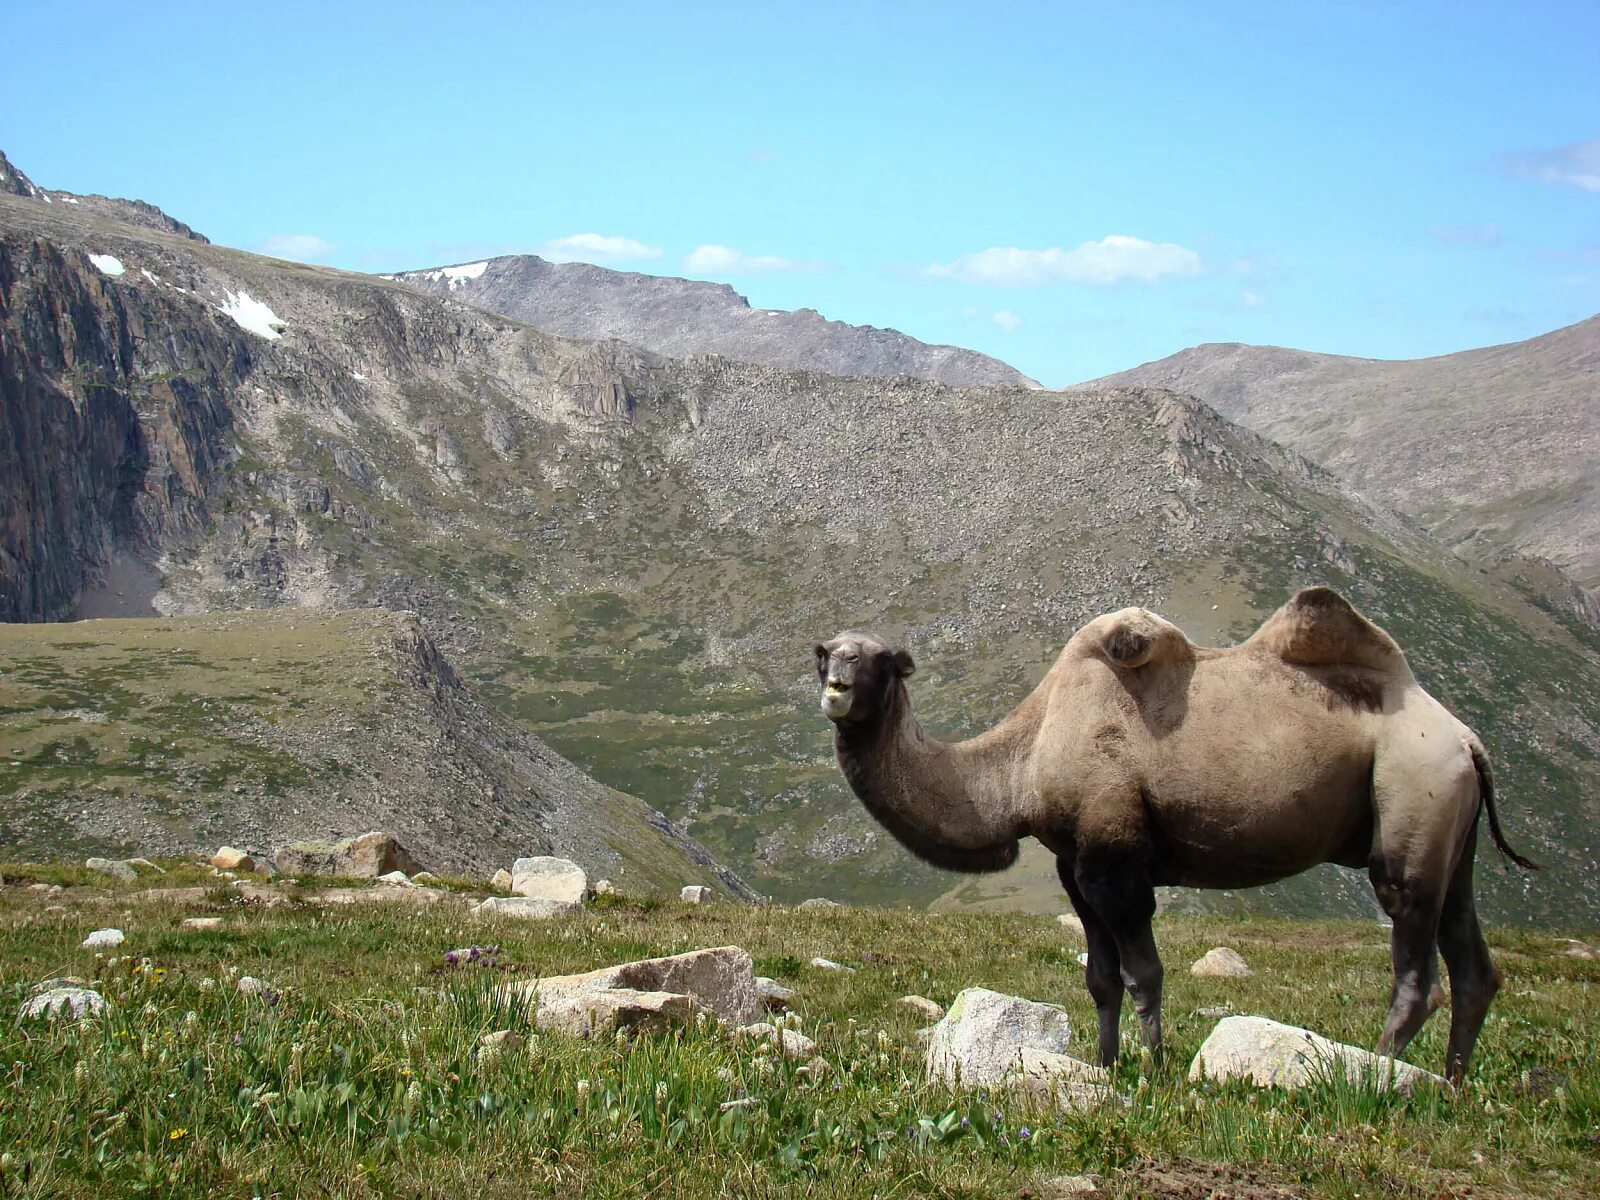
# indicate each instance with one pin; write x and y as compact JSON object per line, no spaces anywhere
{"x":1413,"y":906}
{"x":1119,"y":891}
{"x":1103,"y":975}
{"x":1473,"y":977}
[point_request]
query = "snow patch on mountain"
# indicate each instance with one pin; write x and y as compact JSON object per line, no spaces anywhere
{"x":107,"y":264}
{"x":454,"y":277}
{"x":250,"y":314}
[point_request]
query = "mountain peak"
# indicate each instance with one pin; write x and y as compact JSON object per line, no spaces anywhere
{"x":130,"y":212}
{"x":680,"y":318}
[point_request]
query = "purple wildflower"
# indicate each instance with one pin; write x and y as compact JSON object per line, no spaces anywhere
{"x":1024,"y":1133}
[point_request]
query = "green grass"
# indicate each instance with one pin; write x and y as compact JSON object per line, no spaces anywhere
{"x":362,"y":1074}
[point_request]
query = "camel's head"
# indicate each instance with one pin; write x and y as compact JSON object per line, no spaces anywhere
{"x":857,"y":674}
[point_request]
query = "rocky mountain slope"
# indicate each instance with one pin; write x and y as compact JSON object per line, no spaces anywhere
{"x":133,"y":212}
{"x":163,"y":736}
{"x":631,"y":555}
{"x":680,"y":317}
{"x":1493,"y":450}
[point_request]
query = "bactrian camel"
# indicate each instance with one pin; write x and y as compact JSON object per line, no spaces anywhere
{"x":1145,"y":760}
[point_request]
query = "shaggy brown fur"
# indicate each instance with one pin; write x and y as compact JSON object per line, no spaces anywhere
{"x":1142,"y":760}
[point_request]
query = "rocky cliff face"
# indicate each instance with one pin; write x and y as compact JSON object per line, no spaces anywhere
{"x":682,"y":317}
{"x":630,"y":555}
{"x":115,"y":424}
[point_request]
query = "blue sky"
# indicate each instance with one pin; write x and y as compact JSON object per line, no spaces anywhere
{"x":1075,"y":188}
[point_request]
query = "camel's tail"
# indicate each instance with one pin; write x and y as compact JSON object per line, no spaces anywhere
{"x":1480,"y":759}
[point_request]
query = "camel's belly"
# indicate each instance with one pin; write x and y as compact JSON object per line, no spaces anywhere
{"x":1253,"y":819}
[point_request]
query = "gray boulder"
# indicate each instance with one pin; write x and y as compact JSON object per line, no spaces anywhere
{"x":547,"y":878}
{"x":696,"y":893}
{"x":981,"y":1038}
{"x":364,"y":857}
{"x":104,"y":939}
{"x":721,"y":981}
{"x":1270,"y":1054}
{"x":535,"y":908}
{"x":112,"y":867}
{"x":817,"y":902}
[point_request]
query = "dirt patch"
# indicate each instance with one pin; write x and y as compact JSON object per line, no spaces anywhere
{"x":1191,"y":1180}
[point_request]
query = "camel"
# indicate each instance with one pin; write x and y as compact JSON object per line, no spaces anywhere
{"x":1142,"y":760}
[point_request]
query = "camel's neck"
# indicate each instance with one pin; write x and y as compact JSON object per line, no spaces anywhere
{"x":958,"y":805}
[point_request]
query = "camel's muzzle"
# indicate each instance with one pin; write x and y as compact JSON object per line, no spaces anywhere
{"x":835,"y":699}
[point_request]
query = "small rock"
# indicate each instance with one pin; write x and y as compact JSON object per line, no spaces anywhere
{"x":1221,"y":963}
{"x":820,"y":902}
{"x":75,"y":1002}
{"x":773,"y":994}
{"x":501,"y":1039}
{"x":1083,"y":959}
{"x":113,"y":868}
{"x":1214,"y":1011}
{"x":793,"y":1043}
{"x":817,"y":1068}
{"x":531,"y":908}
{"x":1063,"y":1186}
{"x":104,"y":939}
{"x":742,"y":1102}
{"x":1270,"y":1054}
{"x":396,"y":879}
{"x":923,"y":1007}
{"x":1577,"y":949}
{"x":1071,"y":922}
{"x":696,"y":893}
{"x":827,"y":964}
{"x":200,"y":923}
{"x":263,"y":897}
{"x":147,"y":864}
{"x":501,"y":880}
{"x":38,"y":887}
{"x":424,"y":878}
{"x":604,"y":887}
{"x":229,"y":859}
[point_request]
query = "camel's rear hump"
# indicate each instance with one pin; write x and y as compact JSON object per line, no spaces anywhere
{"x":1319,"y":627}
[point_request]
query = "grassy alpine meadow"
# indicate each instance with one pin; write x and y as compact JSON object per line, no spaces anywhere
{"x":360,"y":1067}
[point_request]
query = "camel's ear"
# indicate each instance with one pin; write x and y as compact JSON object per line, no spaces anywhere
{"x":904,"y":664}
{"x":821,"y":652}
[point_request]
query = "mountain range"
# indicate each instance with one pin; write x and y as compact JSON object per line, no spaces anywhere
{"x":678,"y":317}
{"x":1494,"y":450}
{"x":629,"y":555}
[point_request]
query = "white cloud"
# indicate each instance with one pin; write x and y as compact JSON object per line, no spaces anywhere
{"x":1577,"y":165}
{"x":1112,"y":259}
{"x":711,"y":259}
{"x":596,"y":248}
{"x":301,"y":247}
{"x":1252,"y":299}
{"x":1007,"y":320}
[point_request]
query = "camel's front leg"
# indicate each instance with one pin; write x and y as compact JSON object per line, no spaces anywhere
{"x":1103,"y":974}
{"x":1117,"y":888}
